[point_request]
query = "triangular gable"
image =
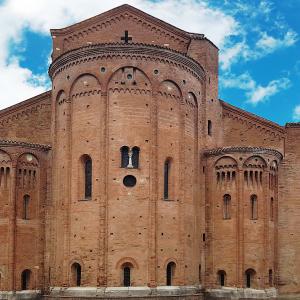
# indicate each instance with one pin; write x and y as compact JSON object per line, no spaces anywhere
{"x":110,"y":27}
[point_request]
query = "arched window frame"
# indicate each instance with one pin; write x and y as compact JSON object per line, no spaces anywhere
{"x":249,"y":278}
{"x":76,"y":273}
{"x":170,"y":273}
{"x":226,"y":207}
{"x":26,"y":279}
{"x":222,"y":278}
{"x":127,"y":274}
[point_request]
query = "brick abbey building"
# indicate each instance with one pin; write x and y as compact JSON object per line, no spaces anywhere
{"x":130,"y":178}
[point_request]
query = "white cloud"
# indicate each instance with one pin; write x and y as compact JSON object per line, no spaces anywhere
{"x":231,"y":54}
{"x":40,"y":16}
{"x":296,"y":113}
{"x":269,"y":43}
{"x":263,"y":93}
{"x":255,"y":93}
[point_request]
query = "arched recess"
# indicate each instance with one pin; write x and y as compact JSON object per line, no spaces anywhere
{"x":221,"y":277}
{"x":191,"y":141}
{"x":62,"y":112}
{"x":26,"y":279}
{"x":169,"y":88}
{"x":127,"y":267}
{"x":125,"y":260}
{"x":191,"y":100}
{"x":255,"y":162}
{"x":76,"y":274}
{"x":226,"y":171}
{"x":28,"y":169}
{"x":170,"y":134}
{"x":87,"y":119}
{"x":85,"y":85}
{"x":250,"y":278}
{"x":254,"y":168}
{"x":5,"y":176}
{"x":129,"y":79}
{"x":129,"y":120}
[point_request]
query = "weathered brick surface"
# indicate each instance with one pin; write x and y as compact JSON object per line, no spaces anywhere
{"x":158,"y":93}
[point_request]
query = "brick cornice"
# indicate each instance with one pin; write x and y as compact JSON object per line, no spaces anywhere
{"x":292,"y":125}
{"x":11,"y":143}
{"x":29,"y":105}
{"x":232,"y":112}
{"x":253,"y":150}
{"x":132,"y":51}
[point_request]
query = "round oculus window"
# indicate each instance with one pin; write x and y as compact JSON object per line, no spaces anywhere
{"x":129,"y":181}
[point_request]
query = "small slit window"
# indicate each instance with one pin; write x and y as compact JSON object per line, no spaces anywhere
{"x":253,"y":207}
{"x":226,"y":207}
{"x":26,"y":202}
{"x":209,"y":127}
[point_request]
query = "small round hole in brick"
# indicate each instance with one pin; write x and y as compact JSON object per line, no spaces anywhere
{"x":129,"y":76}
{"x":129,"y":181}
{"x":102,"y":70}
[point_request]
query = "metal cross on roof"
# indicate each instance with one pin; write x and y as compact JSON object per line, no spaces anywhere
{"x":126,"y":38}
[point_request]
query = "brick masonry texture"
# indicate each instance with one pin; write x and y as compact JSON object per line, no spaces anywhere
{"x":159,"y":92}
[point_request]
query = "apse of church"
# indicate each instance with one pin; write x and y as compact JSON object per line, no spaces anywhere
{"x":138,"y":181}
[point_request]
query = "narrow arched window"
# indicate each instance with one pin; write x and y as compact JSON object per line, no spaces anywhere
{"x":135,"y":157}
{"x":124,"y":156}
{"x":222,"y":277}
{"x":253,"y":204}
{"x":249,"y":276}
{"x":87,"y":177}
{"x":127,"y":275}
{"x":26,"y":201}
{"x":170,"y":273}
{"x":226,"y":206}
{"x":25,"y":279}
{"x":272,"y":209}
{"x":209,"y":127}
{"x":167,"y":167}
{"x":76,"y":274}
{"x":199,"y":273}
{"x":270,"y":277}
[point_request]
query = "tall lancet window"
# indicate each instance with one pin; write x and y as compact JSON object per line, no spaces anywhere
{"x":167,"y":169}
{"x":85,"y":177}
{"x":254,"y":208}
{"x":135,"y":157}
{"x":26,"y":201}
{"x":226,"y":206}
{"x":124,"y":156}
{"x":88,"y":177}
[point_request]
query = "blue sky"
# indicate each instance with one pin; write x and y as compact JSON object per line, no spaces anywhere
{"x":259,"y":45}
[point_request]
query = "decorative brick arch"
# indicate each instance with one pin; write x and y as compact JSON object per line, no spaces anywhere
{"x":125,"y":260}
{"x":85,"y":84}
